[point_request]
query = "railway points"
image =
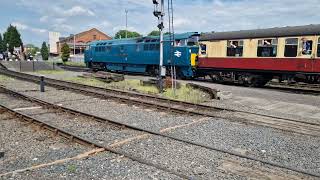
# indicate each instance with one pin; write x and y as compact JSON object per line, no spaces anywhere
{"x":116,"y":102}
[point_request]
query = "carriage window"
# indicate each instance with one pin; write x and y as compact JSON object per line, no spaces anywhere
{"x":267,"y":48}
{"x":235,"y":48}
{"x":203,"y":49}
{"x":306,"y":47}
{"x":96,"y":49}
{"x":318,"y":53}
{"x":291,"y":48}
{"x":108,"y":48}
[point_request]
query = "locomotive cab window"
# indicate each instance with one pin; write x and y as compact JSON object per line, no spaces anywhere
{"x":306,"y":46}
{"x":267,"y":48}
{"x":193,"y":41}
{"x":291,"y":48}
{"x":318,"y":53}
{"x":235,"y":49}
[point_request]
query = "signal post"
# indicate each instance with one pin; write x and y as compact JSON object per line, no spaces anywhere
{"x":159,"y":13}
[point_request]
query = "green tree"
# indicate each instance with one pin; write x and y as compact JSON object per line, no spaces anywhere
{"x":157,"y":33}
{"x":65,"y":52}
{"x":12,"y":37}
{"x":154,"y":33}
{"x":130,"y":34}
{"x":2,"y":45}
{"x":44,"y":51}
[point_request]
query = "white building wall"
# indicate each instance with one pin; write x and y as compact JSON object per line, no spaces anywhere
{"x":53,"y":39}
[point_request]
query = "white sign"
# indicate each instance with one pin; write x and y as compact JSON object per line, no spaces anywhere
{"x":178,"y":53}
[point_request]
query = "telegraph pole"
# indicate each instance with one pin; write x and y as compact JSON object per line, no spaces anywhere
{"x":126,"y":11}
{"x":159,"y":13}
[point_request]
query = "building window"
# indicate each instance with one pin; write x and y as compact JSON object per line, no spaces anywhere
{"x":306,"y":46}
{"x":267,"y":48}
{"x":235,"y":49}
{"x":318,"y":53}
{"x":94,"y":37}
{"x":291,"y":48}
{"x":203,"y":49}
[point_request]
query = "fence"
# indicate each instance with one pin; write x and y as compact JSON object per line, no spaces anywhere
{"x":29,"y":66}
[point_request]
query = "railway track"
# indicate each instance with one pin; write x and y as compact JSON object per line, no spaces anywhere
{"x":68,"y":135}
{"x":59,"y":109}
{"x":295,"y":88}
{"x":175,"y":106}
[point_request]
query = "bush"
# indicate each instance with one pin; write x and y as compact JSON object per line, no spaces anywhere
{"x":65,"y":52}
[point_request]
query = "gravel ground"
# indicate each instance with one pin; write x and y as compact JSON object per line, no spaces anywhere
{"x":200,"y":163}
{"x":104,"y":166}
{"x":25,"y":146}
{"x":260,"y":141}
{"x":290,"y":149}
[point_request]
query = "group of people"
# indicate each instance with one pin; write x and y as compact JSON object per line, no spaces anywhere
{"x":7,"y":56}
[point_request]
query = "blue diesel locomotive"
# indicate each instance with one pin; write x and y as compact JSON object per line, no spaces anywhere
{"x":141,"y":55}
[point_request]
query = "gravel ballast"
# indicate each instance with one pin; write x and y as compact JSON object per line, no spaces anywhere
{"x":25,"y":145}
{"x":286,"y":148}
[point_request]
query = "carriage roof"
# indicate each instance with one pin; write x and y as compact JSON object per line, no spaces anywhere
{"x":264,"y":33}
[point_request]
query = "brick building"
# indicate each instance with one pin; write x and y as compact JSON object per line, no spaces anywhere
{"x":80,"y":41}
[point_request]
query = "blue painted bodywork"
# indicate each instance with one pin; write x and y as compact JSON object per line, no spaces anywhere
{"x":140,"y":54}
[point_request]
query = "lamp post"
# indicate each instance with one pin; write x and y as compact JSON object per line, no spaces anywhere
{"x":159,"y":13}
{"x":8,"y":51}
{"x":74,"y":45}
{"x":126,"y":11}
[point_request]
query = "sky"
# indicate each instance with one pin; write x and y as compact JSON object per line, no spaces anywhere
{"x":35,"y":18}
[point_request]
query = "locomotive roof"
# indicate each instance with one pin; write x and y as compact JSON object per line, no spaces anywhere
{"x":264,"y":33}
{"x":134,"y":40}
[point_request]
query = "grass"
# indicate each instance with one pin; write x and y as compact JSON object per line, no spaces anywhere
{"x":72,"y":168}
{"x":4,"y":78}
{"x":185,"y":93}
